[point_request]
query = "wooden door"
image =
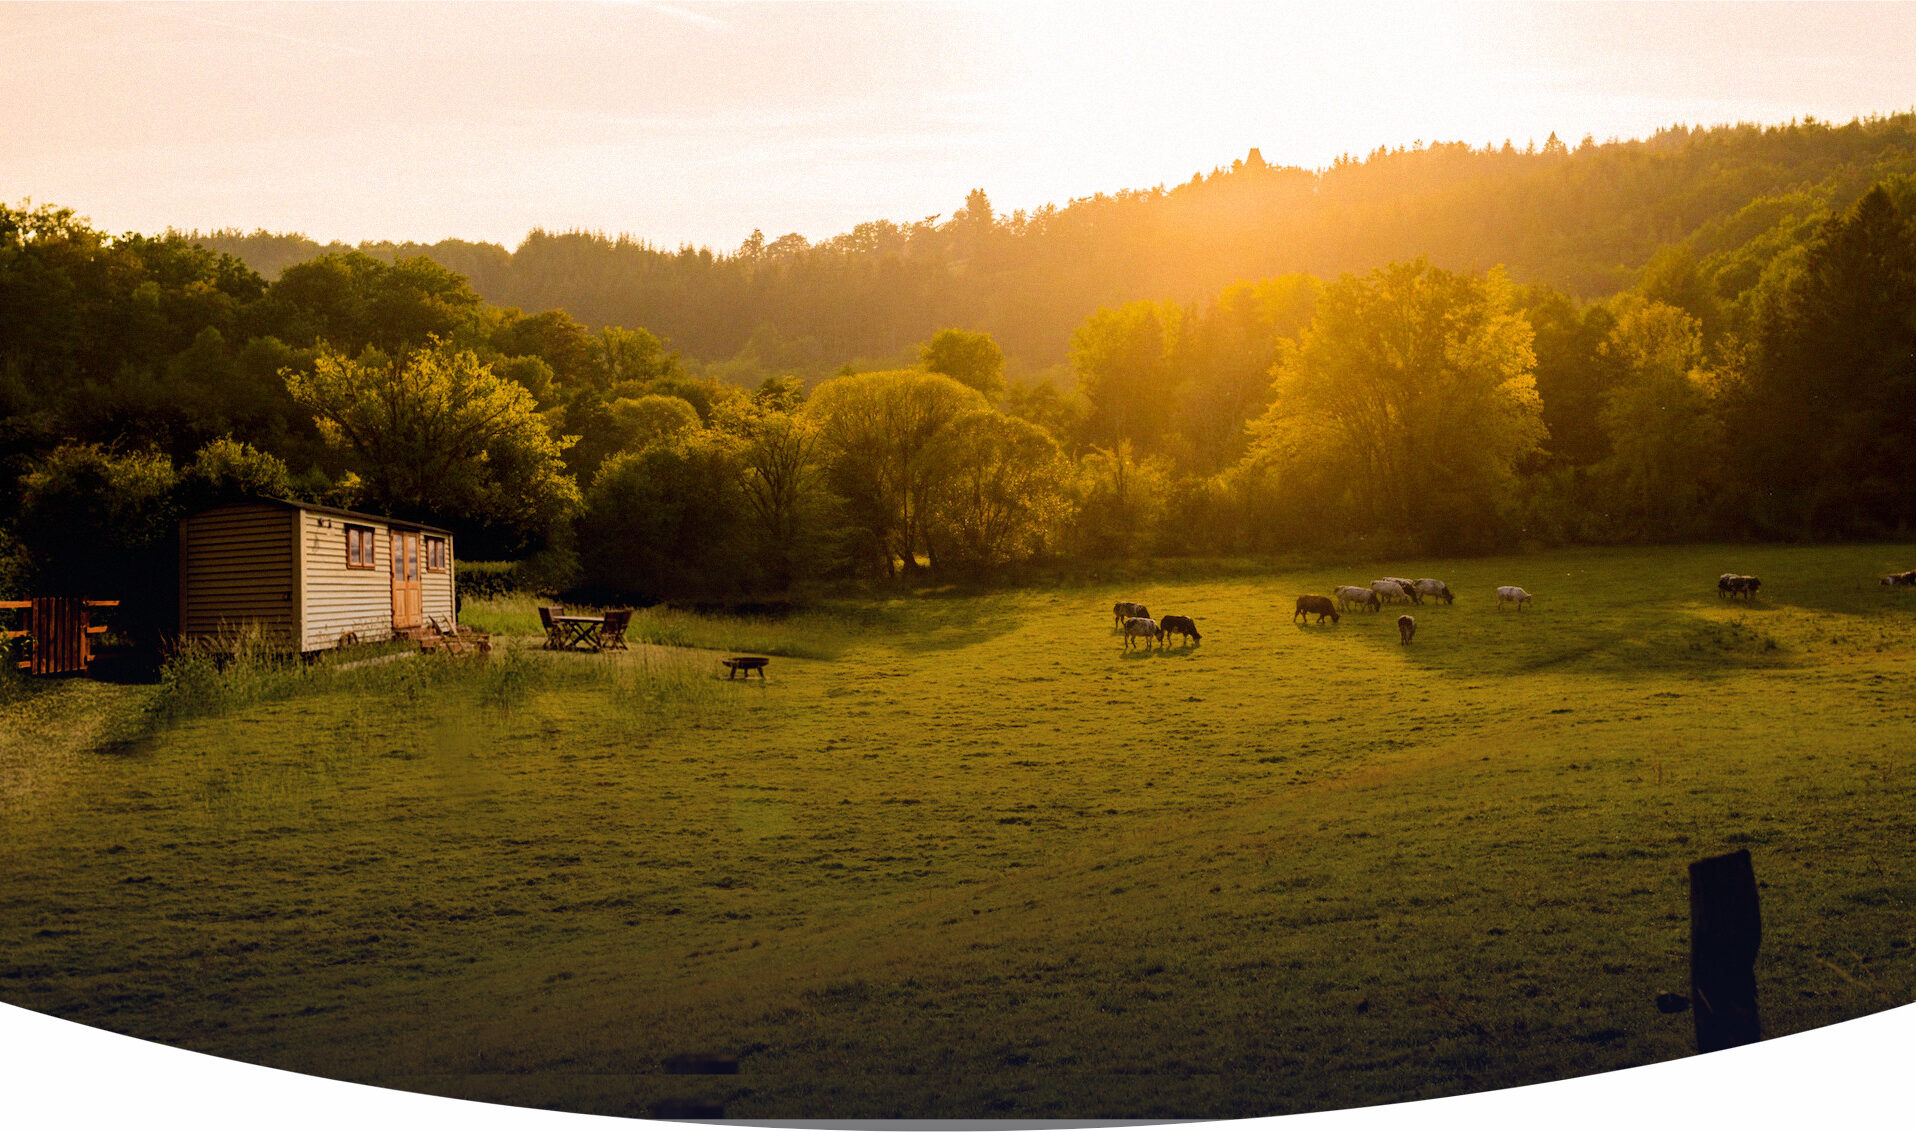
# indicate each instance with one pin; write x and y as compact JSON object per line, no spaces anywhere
{"x":407,"y":600}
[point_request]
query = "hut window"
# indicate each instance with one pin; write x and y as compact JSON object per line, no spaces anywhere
{"x":435,"y":554}
{"x":359,"y":547}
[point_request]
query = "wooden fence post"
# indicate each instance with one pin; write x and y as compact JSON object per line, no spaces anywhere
{"x":1725,"y":931}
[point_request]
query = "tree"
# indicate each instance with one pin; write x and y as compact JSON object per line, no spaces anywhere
{"x":999,"y":490}
{"x":968,"y":357}
{"x":1834,"y":359}
{"x":1124,"y":358}
{"x":779,"y":472}
{"x":1660,"y":418}
{"x":353,"y":301}
{"x":1226,"y":365}
{"x":436,"y":435}
{"x":94,"y":521}
{"x":229,"y":471}
{"x":1415,"y":384}
{"x":668,"y":521}
{"x":873,"y":430}
{"x":652,"y":419}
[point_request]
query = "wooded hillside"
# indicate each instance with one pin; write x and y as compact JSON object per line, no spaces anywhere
{"x":1585,"y":220}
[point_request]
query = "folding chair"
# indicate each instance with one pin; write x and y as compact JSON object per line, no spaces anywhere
{"x":612,"y":635}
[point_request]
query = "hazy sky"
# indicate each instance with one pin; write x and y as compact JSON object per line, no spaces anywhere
{"x":695,"y":123}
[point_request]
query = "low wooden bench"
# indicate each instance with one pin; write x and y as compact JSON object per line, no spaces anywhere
{"x":745,"y":664}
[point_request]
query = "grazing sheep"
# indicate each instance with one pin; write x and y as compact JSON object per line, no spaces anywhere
{"x":1729,"y":585}
{"x":1409,"y":587}
{"x":1906,"y":578}
{"x":1183,"y":626}
{"x":1389,"y":590}
{"x":1125,"y":609}
{"x":1431,"y":587}
{"x":1142,"y":627}
{"x":1318,"y":604}
{"x":1406,"y":627}
{"x":1348,"y":596}
{"x":1514,"y":594}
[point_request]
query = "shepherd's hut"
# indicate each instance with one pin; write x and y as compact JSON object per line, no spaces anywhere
{"x":311,"y":577}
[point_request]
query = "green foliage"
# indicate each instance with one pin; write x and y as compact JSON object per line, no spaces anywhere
{"x":967,"y":357}
{"x":1830,"y":362}
{"x":436,"y":435}
{"x":479,"y":581}
{"x":91,"y":520}
{"x":1665,"y":439}
{"x":1124,"y":359}
{"x":1120,"y":500}
{"x":228,"y":471}
{"x":669,"y":520}
{"x":352,"y":302}
{"x":783,"y":482}
{"x":1407,"y":405}
{"x":999,"y":494}
{"x":873,"y":430}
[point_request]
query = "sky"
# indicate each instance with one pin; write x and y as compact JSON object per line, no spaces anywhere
{"x":695,"y":123}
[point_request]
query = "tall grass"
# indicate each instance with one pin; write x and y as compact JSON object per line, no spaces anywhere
{"x":243,"y":669}
{"x":817,"y":634}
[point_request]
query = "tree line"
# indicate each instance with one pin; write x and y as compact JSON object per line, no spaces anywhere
{"x":1584,"y":218}
{"x":1409,"y":408}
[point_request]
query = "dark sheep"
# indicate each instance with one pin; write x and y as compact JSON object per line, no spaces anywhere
{"x":1318,"y":604}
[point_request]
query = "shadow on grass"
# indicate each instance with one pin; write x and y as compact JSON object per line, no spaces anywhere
{"x":1621,"y":645}
{"x":936,"y":625}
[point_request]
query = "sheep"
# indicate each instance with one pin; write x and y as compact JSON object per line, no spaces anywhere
{"x":1348,"y":596}
{"x":1434,"y":588}
{"x":1388,"y":590}
{"x":1318,"y":604}
{"x":1406,"y":627}
{"x":1409,"y":587}
{"x":1513,"y":594}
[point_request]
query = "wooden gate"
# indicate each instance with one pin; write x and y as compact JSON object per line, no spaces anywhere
{"x":59,"y":631}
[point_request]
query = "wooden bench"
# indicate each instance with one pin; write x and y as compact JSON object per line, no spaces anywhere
{"x":745,"y":664}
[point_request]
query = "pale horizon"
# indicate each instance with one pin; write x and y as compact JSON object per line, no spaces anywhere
{"x":691,"y":123}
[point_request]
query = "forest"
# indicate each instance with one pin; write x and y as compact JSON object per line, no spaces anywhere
{"x":1437,"y":349}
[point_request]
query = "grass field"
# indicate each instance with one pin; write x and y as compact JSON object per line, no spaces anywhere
{"x":967,"y":857}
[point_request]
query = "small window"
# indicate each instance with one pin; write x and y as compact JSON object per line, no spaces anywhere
{"x":436,"y":554}
{"x":359,"y":548}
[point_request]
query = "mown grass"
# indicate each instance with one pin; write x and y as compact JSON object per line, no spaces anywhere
{"x":985,"y":862}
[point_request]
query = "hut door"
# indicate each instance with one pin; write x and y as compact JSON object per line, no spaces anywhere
{"x":406,"y":597}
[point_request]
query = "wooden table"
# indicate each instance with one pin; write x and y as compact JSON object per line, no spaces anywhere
{"x":579,"y":632}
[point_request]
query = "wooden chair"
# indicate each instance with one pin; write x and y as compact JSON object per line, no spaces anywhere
{"x":555,"y":636}
{"x":612,"y":635}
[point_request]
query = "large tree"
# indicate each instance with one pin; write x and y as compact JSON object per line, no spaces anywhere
{"x":873,"y":430}
{"x":1412,"y":387}
{"x":434,"y":434}
{"x":1000,"y":491}
{"x":1125,"y":358}
{"x":1823,"y":425}
{"x":1661,"y":420}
